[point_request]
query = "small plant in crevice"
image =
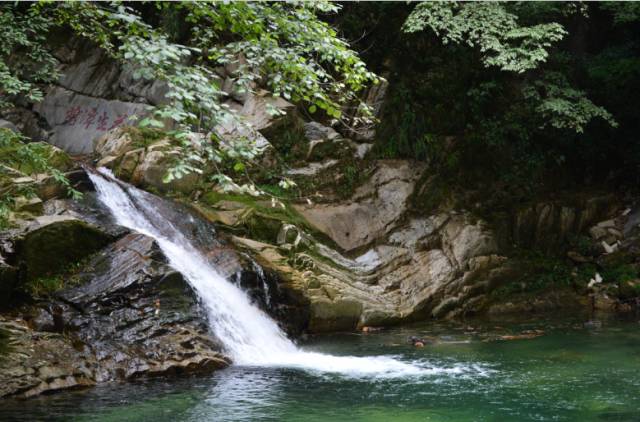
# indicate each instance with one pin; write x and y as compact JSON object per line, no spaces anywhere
{"x":48,"y":284}
{"x":20,"y":158}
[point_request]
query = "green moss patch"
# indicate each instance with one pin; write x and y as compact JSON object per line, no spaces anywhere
{"x":48,"y":250}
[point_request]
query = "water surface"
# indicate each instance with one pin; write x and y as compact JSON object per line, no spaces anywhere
{"x":572,"y":372}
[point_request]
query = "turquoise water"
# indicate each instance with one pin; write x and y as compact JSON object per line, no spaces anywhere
{"x":572,"y":372}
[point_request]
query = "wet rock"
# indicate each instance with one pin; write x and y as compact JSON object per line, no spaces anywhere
{"x":341,"y":315}
{"x":52,"y":242}
{"x":268,"y":291}
{"x":33,"y":362}
{"x":138,"y":316}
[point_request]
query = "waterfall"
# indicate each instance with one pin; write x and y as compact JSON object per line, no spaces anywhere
{"x":250,"y":336}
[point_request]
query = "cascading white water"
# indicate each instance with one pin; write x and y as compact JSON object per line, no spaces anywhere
{"x":250,"y":336}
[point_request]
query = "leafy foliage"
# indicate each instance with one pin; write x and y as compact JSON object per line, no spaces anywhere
{"x":563,"y":106}
{"x":509,"y":46}
{"x":623,"y":12}
{"x":20,"y":158}
{"x":498,"y":129}
{"x":24,"y":59}
{"x":491,"y":28}
{"x":283,"y":47}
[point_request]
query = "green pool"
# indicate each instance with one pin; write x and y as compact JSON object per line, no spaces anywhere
{"x":574,"y":371}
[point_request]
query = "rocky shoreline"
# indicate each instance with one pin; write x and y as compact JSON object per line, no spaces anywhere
{"x":83,"y":301}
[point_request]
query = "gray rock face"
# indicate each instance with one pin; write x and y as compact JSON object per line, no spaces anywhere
{"x":374,"y":209}
{"x":94,"y":94}
{"x":90,"y":72}
{"x":133,"y":316}
{"x":419,"y":267}
{"x":315,"y":131}
{"x":33,"y":362}
{"x":77,"y":120}
{"x":547,"y":225}
{"x":426,"y":268}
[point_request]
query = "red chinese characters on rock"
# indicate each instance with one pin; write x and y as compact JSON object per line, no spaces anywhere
{"x":119,"y":120}
{"x":102,"y":122}
{"x":89,"y":118}
{"x":72,"y":116}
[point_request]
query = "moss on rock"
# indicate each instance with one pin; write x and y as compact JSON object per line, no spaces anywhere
{"x":49,"y":249}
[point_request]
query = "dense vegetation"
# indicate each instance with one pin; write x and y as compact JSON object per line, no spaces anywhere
{"x":519,"y":98}
{"x":516,"y":98}
{"x":283,"y":47}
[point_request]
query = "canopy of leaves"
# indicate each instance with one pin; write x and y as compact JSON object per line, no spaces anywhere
{"x":491,"y":28}
{"x":24,"y":59}
{"x":494,"y":29}
{"x":495,"y":131}
{"x":283,"y":47}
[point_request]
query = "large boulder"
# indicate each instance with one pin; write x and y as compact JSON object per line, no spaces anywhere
{"x":52,"y":242}
{"x":44,"y":247}
{"x":139,"y":316}
{"x":373,"y":211}
{"x":131,"y":316}
{"x":77,"y":120}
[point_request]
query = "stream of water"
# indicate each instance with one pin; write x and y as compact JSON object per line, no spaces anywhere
{"x":571,"y":373}
{"x":249,"y":335}
{"x":572,"y":369}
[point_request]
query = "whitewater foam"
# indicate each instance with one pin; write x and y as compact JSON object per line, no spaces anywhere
{"x":250,"y":336}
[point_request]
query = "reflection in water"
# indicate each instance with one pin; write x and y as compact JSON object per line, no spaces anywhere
{"x":256,"y":391}
{"x":568,"y":374}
